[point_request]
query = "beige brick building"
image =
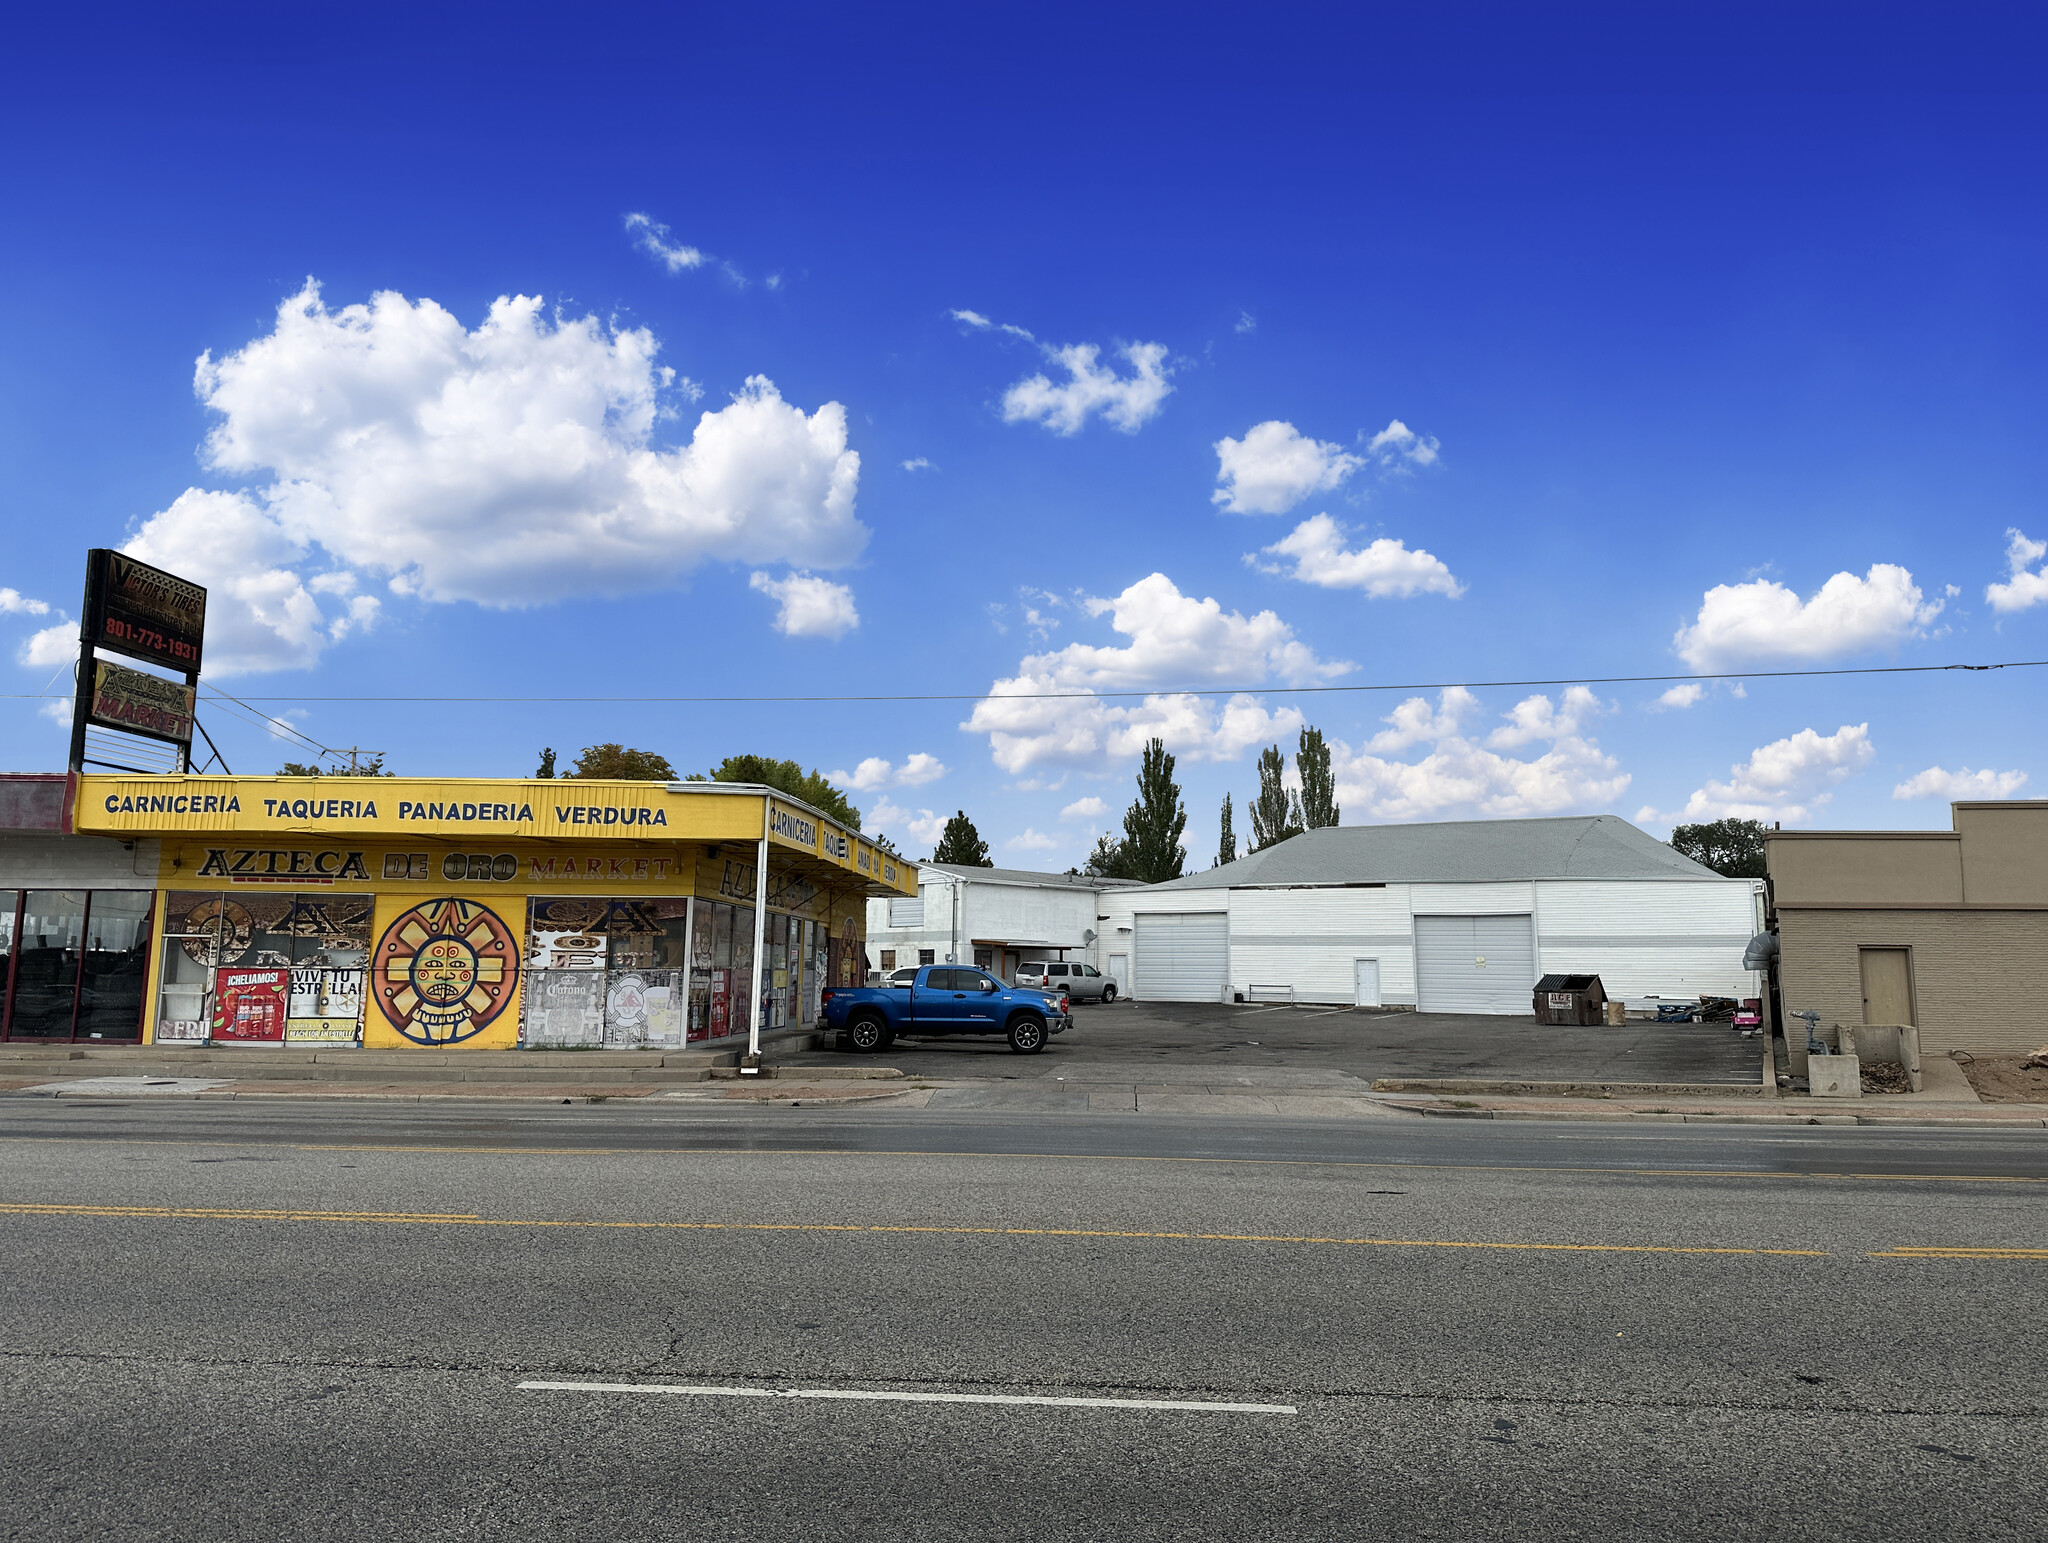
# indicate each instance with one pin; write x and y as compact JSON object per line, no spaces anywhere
{"x":1944,"y":929}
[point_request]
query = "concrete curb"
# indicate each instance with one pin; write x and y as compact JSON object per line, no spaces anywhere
{"x":1484,"y":1087}
{"x":2027,"y":1123}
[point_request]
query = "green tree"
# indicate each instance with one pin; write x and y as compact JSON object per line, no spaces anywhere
{"x":1154,"y":822}
{"x":1226,"y":847}
{"x":1733,"y":848}
{"x":371,"y":766}
{"x":1276,"y":813}
{"x":616,"y":762}
{"x":547,"y":764}
{"x":1107,"y":861}
{"x":787,"y":777}
{"x":1318,"y":782}
{"x":961,"y":844}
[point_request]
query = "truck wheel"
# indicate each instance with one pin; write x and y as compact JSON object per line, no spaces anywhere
{"x":1108,"y":995}
{"x":867,"y":1035}
{"x":1027,"y":1035}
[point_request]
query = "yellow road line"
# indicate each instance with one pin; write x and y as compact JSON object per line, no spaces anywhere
{"x":1957,"y":1251}
{"x":841,"y":1155}
{"x":223,"y":1213}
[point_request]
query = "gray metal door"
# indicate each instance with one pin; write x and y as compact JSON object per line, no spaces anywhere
{"x":1474,"y":964}
{"x":1182,"y":957}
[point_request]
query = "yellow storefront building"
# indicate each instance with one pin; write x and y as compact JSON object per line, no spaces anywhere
{"x":461,"y":913}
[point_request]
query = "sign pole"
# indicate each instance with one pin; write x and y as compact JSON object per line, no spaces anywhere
{"x":81,"y":669}
{"x":755,"y":1006}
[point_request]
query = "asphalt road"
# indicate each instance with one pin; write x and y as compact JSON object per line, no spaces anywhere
{"x":1189,"y":1042}
{"x":311,"y":1321}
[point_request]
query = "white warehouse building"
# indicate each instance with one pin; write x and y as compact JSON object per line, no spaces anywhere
{"x":1460,"y":917}
{"x":996,"y":918}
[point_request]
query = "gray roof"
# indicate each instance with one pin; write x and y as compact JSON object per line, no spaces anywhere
{"x":1025,"y":876}
{"x":1596,"y":846}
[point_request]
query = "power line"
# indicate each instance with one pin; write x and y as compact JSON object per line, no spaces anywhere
{"x":1090,"y":694}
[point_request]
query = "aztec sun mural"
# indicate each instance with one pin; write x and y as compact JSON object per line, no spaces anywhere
{"x":444,"y":970}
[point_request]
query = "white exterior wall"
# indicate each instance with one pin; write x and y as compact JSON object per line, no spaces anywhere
{"x":1309,"y":938}
{"x":1675,"y":938}
{"x":1672,"y":938}
{"x":989,"y":908}
{"x":49,"y":860}
{"x":936,"y":890}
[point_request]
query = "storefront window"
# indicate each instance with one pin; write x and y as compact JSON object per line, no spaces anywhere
{"x":46,"y":964}
{"x":10,"y":906}
{"x":263,"y":969}
{"x":115,"y":965}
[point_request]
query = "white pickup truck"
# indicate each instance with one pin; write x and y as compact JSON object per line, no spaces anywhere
{"x":1081,"y":982}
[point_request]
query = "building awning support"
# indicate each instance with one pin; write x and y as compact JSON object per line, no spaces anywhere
{"x":751,"y":1066}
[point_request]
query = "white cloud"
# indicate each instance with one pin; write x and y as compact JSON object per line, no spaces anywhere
{"x":1961,"y":783}
{"x":57,"y":710}
{"x":1537,"y":717}
{"x":1125,"y":402}
{"x":875,"y":772}
{"x":652,"y":238}
{"x":918,"y":463}
{"x":1399,"y":448}
{"x":1246,"y":322}
{"x":14,"y":603}
{"x":1274,"y":467}
{"x":1763,"y":619}
{"x":865,"y":778}
{"x":1385,"y":568}
{"x":1085,"y":809}
{"x":50,"y":647}
{"x":810,"y":607}
{"x":2027,"y":585}
{"x":511,"y":465}
{"x":1458,"y":778}
{"x":1032,"y":841}
{"x":923,"y":828}
{"x":1025,"y":732}
{"x":1415,"y":722}
{"x":262,"y":612}
{"x":1686,"y":695}
{"x":1785,"y":780}
{"x":1173,"y":638}
{"x":974,"y":319}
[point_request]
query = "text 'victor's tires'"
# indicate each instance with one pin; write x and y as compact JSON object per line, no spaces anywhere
{"x":1027,"y":1034}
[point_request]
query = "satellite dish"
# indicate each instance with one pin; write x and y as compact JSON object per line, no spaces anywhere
{"x":1087,"y":934}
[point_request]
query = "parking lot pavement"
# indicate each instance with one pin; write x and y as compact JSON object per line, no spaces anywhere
{"x":1213,"y":1045}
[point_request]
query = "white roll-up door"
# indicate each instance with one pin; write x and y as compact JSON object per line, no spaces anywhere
{"x":1181,"y":957}
{"x":1474,"y":964}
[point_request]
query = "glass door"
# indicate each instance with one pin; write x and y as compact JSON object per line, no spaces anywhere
{"x":46,"y":964}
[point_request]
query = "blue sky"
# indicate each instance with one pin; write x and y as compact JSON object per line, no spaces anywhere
{"x":1081,"y":350}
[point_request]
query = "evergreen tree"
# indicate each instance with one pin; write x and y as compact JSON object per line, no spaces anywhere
{"x":1153,"y":824}
{"x":1318,"y":782}
{"x":1107,"y":860}
{"x":1276,"y":813}
{"x":960,"y":843}
{"x":547,"y":764}
{"x":1226,"y":848}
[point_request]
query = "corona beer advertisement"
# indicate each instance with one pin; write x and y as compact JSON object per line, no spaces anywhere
{"x":445,"y":972}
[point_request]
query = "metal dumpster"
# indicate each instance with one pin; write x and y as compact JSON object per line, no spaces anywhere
{"x":1574,"y":999}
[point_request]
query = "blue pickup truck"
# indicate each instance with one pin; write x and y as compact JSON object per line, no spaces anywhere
{"x":945,"y":999}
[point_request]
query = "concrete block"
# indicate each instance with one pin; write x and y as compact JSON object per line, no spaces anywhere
{"x":1835,"y":1076}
